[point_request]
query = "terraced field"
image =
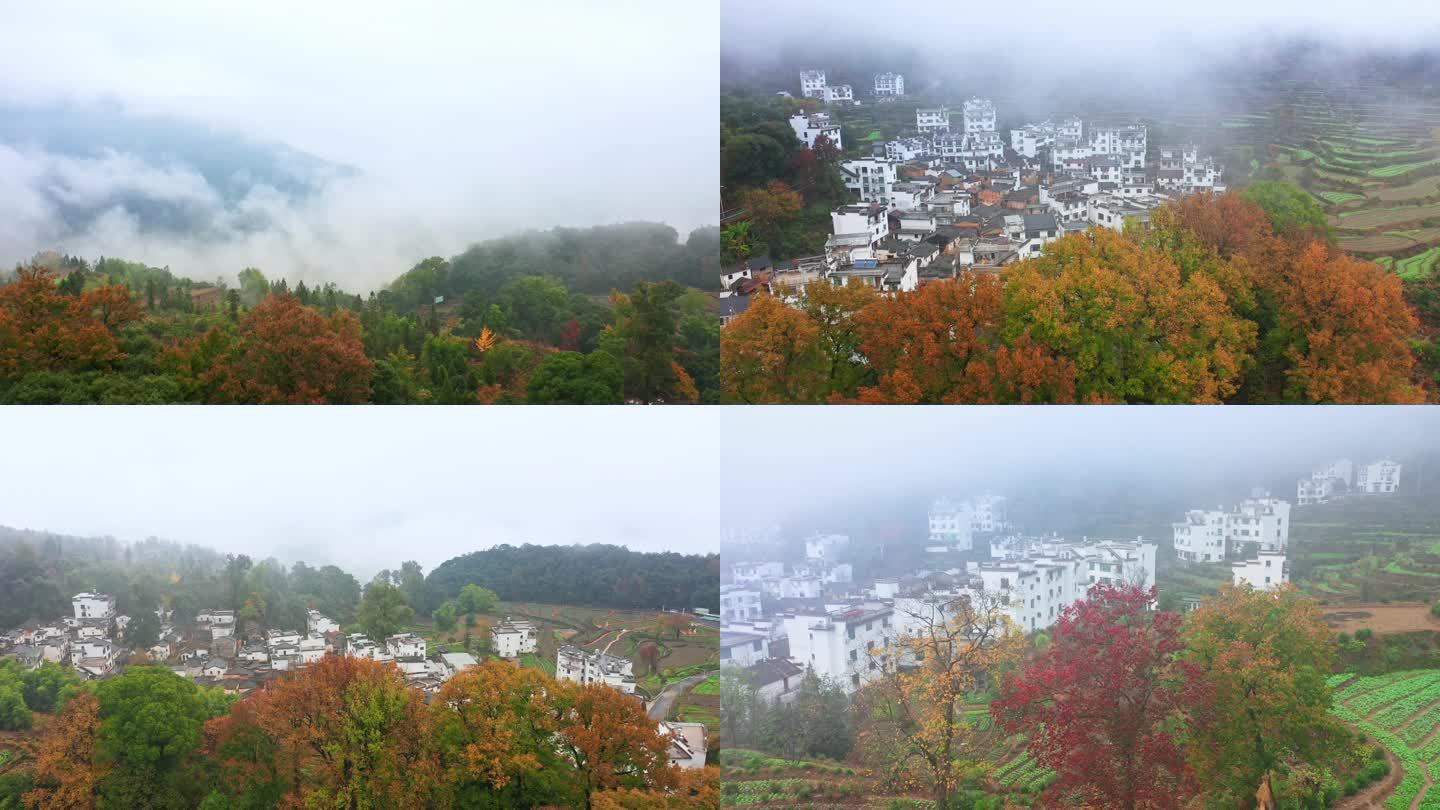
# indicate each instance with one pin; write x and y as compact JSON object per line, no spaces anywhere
{"x":1374,"y":166}
{"x":1366,"y":549}
{"x":1339,"y":197}
{"x":1419,"y":265}
{"x":1371,"y":218}
{"x":755,"y":779}
{"x":1401,"y":711}
{"x":1424,"y":187}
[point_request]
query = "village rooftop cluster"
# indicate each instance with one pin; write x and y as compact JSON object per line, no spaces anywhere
{"x":954,"y":195}
{"x":217,"y":651}
{"x":781,"y":620}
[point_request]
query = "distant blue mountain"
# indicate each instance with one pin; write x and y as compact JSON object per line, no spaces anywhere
{"x":231,"y":164}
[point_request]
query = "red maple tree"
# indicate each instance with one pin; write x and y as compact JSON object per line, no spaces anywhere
{"x":1099,"y":701}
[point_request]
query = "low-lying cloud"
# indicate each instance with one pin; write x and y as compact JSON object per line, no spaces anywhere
{"x":446,"y":126}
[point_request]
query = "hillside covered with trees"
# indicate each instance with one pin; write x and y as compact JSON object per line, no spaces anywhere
{"x":595,"y":575}
{"x":601,"y":315}
{"x":39,"y":571}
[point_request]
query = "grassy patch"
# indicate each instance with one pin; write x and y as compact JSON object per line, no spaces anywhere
{"x":536,"y":662}
{"x":1401,"y":168}
{"x":1418,"y":266}
{"x":1340,"y":197}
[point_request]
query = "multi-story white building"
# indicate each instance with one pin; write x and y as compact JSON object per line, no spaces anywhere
{"x":1323,"y":483}
{"x":743,"y":572}
{"x":989,"y":514}
{"x":1378,"y":477}
{"x":93,"y":606}
{"x":955,"y":523}
{"x":1126,"y":141}
{"x":1262,"y":520}
{"x":1266,"y":572}
{"x":358,"y":645}
{"x":907,"y":149}
{"x":1201,"y":537}
{"x":1341,"y":469}
{"x":930,"y":119}
{"x":1037,"y":587}
{"x":1212,"y":535}
{"x":838,"y":94}
{"x":95,"y":658}
{"x":870,"y":179}
{"x":215,"y":617}
{"x":739,"y":604}
{"x":742,"y":649}
{"x":889,"y":84}
{"x":405,"y":645}
{"x":812,"y":83}
{"x":825,"y":547}
{"x":312,"y":648}
{"x":863,"y":220}
{"x":319,"y":624}
{"x":952,"y":524}
{"x":979,"y":115}
{"x":582,"y":666}
{"x":809,"y":128}
{"x":512,"y":639}
{"x":1114,"y":210}
{"x":844,"y":645}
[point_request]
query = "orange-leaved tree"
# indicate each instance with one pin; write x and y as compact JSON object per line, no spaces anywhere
{"x":1136,"y":330}
{"x":610,"y":741}
{"x":914,"y":730}
{"x":1345,"y":326}
{"x":284,"y":353}
{"x":65,"y":771}
{"x":43,"y":329}
{"x":494,"y":725}
{"x":941,"y":344}
{"x":349,"y":732}
{"x":772,"y":354}
{"x":695,"y":789}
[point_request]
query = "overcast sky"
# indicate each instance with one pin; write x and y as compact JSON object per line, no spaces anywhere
{"x":1133,"y":48}
{"x":858,"y":458}
{"x":366,"y":488}
{"x":469,"y":119}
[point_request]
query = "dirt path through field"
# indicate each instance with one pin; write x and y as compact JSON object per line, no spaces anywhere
{"x":1374,"y":796}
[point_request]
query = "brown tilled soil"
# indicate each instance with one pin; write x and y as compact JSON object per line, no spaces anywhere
{"x":1382,"y":618}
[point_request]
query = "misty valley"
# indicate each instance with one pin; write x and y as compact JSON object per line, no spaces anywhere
{"x":1254,"y":229}
{"x":156,"y":674}
{"x":1266,"y":640}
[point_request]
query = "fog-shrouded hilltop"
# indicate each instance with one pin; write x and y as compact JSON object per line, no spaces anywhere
{"x":156,"y":135}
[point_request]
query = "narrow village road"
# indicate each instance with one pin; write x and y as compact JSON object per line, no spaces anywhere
{"x":661,"y":707}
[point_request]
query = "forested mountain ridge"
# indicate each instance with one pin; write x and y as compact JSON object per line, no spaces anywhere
{"x":595,"y":575}
{"x":519,"y":319}
{"x":39,"y":571}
